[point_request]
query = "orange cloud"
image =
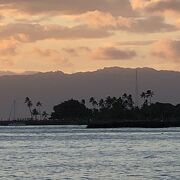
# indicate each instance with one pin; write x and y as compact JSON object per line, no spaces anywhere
{"x":52,"y":55}
{"x":134,"y":43}
{"x":8,"y":47}
{"x":71,"y":51}
{"x":34,"y":32}
{"x":101,"y":19}
{"x":116,"y":7}
{"x":149,"y":24}
{"x":157,"y":5}
{"x":167,"y":49}
{"x":46,"y":53}
{"x":152,"y":24}
{"x":140,"y":4}
{"x":112,"y":53}
{"x":6,"y":63}
{"x":47,"y":24}
{"x":76,"y":51}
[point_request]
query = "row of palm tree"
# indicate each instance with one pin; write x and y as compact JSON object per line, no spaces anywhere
{"x":125,"y":100}
{"x":121,"y":105}
{"x":35,"y":112}
{"x":147,"y":96}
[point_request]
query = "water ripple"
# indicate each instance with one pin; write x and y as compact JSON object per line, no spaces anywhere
{"x":73,"y":152}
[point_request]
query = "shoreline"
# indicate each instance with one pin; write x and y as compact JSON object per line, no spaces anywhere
{"x":95,"y":124}
{"x":136,"y":124}
{"x":37,"y":122}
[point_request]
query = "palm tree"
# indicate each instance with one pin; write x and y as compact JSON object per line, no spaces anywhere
{"x":83,"y":101}
{"x":101,"y":103}
{"x":109,"y":102}
{"x":39,"y":105}
{"x":130,"y":101}
{"x":35,"y":113}
{"x":29,"y":104}
{"x":44,"y":115}
{"x":149,"y":95}
{"x":144,"y":96}
{"x":93,"y":102}
{"x":125,"y":100}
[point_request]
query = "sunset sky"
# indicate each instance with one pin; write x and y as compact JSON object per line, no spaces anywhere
{"x":85,"y":35}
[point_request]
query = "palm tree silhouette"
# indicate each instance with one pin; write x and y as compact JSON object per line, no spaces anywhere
{"x":109,"y":102}
{"x":101,"y":103}
{"x":35,"y":113}
{"x":39,"y":105}
{"x":29,"y":104}
{"x":143,"y":95}
{"x":83,"y":101}
{"x":130,"y":101}
{"x":44,"y":115}
{"x":149,"y":95}
{"x":93,"y":102}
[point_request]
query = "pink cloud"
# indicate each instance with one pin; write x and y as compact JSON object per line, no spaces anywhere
{"x":112,"y":53}
{"x":99,"y":19}
{"x":8,"y":47}
{"x":167,"y":49}
{"x":116,"y":7}
{"x":157,"y":5}
{"x":148,"y":24}
{"x":34,"y":32}
{"x":46,"y":52}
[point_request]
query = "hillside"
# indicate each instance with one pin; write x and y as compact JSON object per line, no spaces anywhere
{"x":52,"y":88}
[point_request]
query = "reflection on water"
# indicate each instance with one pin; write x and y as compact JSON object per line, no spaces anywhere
{"x":73,"y":152}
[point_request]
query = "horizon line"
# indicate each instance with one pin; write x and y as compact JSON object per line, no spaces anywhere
{"x":11,"y":73}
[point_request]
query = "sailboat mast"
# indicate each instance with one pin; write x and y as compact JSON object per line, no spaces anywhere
{"x":14,"y":108}
{"x":137,"y":89}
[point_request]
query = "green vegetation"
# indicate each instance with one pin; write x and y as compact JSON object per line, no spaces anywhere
{"x":35,"y":112}
{"x":109,"y":112}
{"x":104,"y":113}
{"x":71,"y":111}
{"x":116,"y":109}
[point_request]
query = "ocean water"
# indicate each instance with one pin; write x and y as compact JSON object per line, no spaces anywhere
{"x":73,"y":152}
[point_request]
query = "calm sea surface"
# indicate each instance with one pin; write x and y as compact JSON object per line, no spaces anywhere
{"x":59,"y":152}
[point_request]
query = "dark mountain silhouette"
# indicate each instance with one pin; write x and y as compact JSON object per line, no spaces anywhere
{"x":52,"y":88}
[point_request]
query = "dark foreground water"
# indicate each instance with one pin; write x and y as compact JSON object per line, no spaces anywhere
{"x":58,"y":152}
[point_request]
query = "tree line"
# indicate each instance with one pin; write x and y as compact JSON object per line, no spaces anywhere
{"x":35,"y":111}
{"x":107,"y":109}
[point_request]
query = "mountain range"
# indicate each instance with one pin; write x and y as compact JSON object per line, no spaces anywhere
{"x":51,"y":88}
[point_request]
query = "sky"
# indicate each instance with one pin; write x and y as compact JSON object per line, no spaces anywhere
{"x":85,"y":35}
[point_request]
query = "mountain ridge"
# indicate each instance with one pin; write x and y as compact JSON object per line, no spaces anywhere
{"x":11,"y":73}
{"x":52,"y":88}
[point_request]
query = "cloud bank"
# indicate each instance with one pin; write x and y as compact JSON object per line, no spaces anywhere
{"x":167,"y":49}
{"x":112,"y":53}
